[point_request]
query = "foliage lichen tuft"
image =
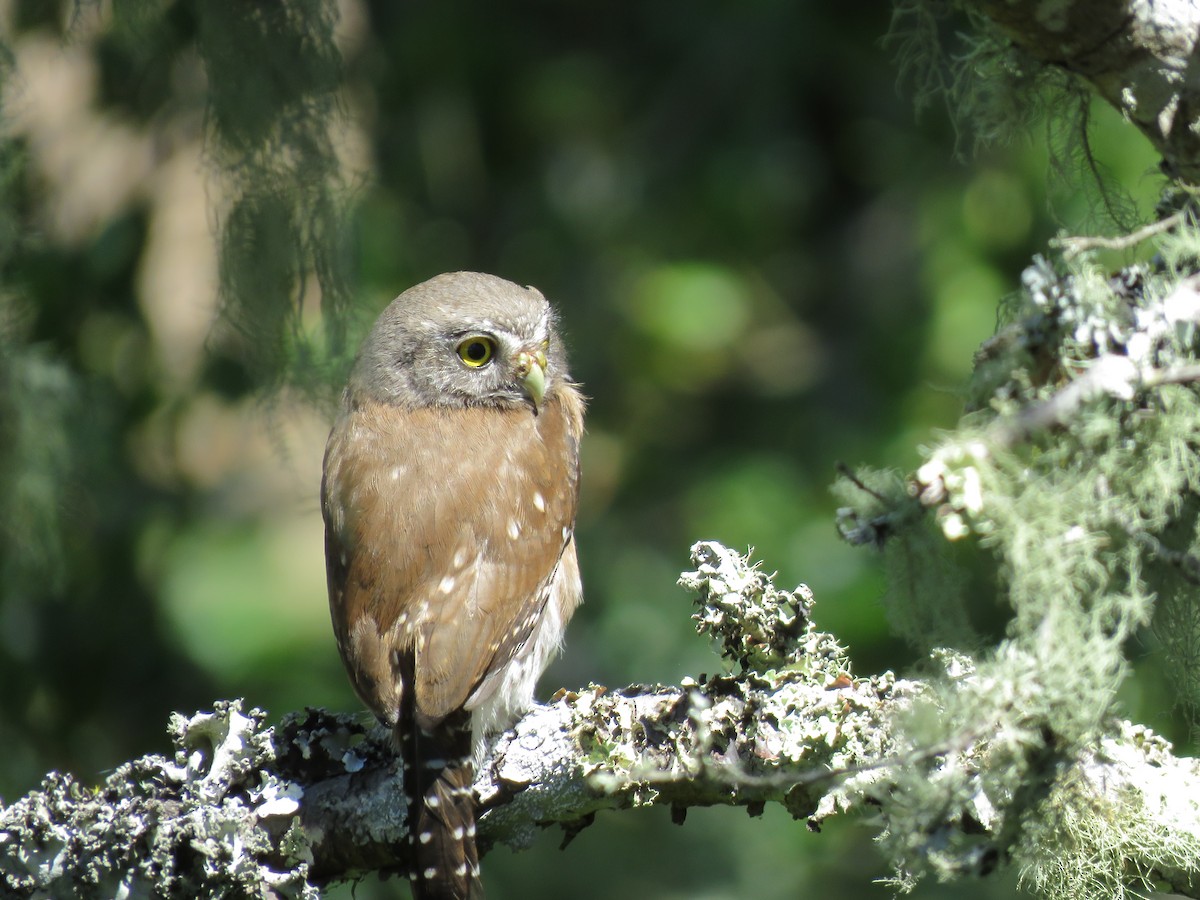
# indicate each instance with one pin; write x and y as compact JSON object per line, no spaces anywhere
{"x":1074,"y":474}
{"x":758,"y":626}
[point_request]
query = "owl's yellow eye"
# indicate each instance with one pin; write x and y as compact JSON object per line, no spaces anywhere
{"x":477,"y":351}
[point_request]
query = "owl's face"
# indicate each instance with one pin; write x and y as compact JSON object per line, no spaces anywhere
{"x":462,"y":339}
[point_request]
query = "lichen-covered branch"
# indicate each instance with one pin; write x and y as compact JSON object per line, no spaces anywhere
{"x":1127,"y":805}
{"x":242,"y":809}
{"x":1140,"y":57}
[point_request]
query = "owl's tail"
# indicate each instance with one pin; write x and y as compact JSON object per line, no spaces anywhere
{"x":439,"y":775}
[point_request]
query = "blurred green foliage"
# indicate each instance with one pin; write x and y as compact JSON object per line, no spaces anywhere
{"x":764,"y":265}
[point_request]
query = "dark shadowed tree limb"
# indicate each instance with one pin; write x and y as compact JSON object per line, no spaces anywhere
{"x":1139,"y":56}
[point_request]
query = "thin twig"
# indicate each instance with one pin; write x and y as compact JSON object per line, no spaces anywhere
{"x":1186,"y":564}
{"x":1073,"y":246}
{"x":1172,"y":375}
{"x":1112,"y":374}
{"x":846,"y":472}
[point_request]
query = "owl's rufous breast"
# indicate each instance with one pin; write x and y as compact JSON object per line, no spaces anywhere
{"x":445,"y":527}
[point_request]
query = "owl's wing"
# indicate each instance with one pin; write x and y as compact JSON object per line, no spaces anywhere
{"x":444,"y":531}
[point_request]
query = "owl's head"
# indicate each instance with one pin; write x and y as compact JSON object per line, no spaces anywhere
{"x":462,"y":339}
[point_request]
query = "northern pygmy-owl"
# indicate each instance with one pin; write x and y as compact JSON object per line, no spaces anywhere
{"x":449,"y":495}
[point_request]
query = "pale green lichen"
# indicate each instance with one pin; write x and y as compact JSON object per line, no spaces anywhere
{"x":786,"y":732}
{"x":1072,"y":477}
{"x":758,"y":626}
{"x":1119,"y":839}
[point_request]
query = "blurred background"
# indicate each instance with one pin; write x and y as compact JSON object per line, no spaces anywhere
{"x":765,"y":263}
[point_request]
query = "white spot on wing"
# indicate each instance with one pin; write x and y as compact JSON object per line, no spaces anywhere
{"x":539,"y":502}
{"x":514,"y":529}
{"x":446,"y":585}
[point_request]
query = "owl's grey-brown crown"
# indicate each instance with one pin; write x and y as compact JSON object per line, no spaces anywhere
{"x":462,"y":339}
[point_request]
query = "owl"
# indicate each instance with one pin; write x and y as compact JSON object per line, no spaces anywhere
{"x":451,"y":480}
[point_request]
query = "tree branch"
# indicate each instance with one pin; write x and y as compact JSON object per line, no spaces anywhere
{"x":246,"y":810}
{"x":1140,"y":57}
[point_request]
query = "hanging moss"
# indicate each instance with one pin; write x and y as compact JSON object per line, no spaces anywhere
{"x":273,"y":73}
{"x":1077,"y":471}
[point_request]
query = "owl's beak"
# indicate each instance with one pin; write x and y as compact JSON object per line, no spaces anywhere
{"x":531,"y":370}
